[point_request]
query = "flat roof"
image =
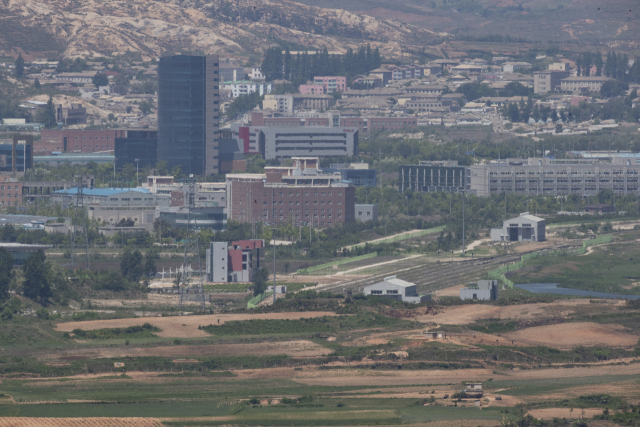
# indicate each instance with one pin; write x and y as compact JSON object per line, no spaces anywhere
{"x":102,"y":191}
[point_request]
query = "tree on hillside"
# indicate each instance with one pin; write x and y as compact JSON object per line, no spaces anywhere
{"x":37,"y":85}
{"x":598,"y":63}
{"x":100,"y":80}
{"x":47,"y":115}
{"x":6,"y":272}
{"x":19,"y":66}
{"x":36,"y":277}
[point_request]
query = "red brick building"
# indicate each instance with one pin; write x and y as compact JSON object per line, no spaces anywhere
{"x":85,"y":141}
{"x":10,"y":191}
{"x":265,"y":198}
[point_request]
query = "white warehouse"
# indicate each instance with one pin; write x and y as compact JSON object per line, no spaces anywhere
{"x":525,"y":228}
{"x":394,"y":288}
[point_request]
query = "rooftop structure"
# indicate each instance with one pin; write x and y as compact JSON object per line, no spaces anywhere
{"x":393,"y":288}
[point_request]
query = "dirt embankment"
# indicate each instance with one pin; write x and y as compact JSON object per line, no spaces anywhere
{"x":185,"y":326}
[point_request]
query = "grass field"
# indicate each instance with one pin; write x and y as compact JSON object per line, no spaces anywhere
{"x":613,"y":268}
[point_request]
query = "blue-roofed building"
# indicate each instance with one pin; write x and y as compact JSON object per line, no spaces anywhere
{"x":111,"y":197}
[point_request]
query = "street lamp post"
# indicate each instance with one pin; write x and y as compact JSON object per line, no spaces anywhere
{"x":274,"y":263}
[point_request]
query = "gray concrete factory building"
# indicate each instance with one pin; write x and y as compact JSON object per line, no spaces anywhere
{"x":525,"y":228}
{"x":485,"y":290}
{"x":398,"y":289}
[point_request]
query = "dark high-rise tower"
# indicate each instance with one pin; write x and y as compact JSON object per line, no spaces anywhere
{"x":188,"y":104}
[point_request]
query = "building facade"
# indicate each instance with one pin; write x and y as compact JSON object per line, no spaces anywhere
{"x":525,"y":228}
{"x":213,"y":218}
{"x":188,"y":112}
{"x":231,"y":73}
{"x":555,"y":177}
{"x":485,"y":290}
{"x":17,"y":156}
{"x":137,"y":147}
{"x":236,"y":262}
{"x":277,"y":197}
{"x":279,"y":142}
{"x":583,"y":84}
{"x":109,"y":197}
{"x":331,"y":83}
{"x":548,"y":80}
{"x":434,"y":176}
{"x":246,"y":87}
{"x":72,"y":140}
{"x":366,"y":213}
{"x":10,"y":191}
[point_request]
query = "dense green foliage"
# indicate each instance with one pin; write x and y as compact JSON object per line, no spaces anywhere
{"x":243,"y":104}
{"x":143,"y":331}
{"x":303,"y":67}
{"x":314,"y":325}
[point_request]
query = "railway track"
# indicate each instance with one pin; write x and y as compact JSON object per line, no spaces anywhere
{"x":433,"y":276}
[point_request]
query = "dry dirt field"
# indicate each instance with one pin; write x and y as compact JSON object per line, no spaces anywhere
{"x":299,"y":348}
{"x":79,"y":422}
{"x":569,"y":335}
{"x":385,"y":378}
{"x":462,"y":315}
{"x":453,"y":291}
{"x":184,"y":326}
{"x":551,"y":413}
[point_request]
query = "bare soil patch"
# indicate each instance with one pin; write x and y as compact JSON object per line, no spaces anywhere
{"x":453,"y":291}
{"x":77,"y":422}
{"x":298,"y":348}
{"x":462,"y":315}
{"x":185,"y":326}
{"x":551,"y":413}
{"x":569,"y":335}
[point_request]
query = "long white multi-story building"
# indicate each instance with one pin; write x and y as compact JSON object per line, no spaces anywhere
{"x":555,"y":177}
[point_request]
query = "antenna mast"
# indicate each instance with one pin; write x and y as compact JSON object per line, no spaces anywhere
{"x":191,"y":252}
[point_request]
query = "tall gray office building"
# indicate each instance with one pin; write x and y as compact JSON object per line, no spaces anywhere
{"x":188,"y":112}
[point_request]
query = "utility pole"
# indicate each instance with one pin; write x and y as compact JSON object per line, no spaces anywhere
{"x":463,"y":247}
{"x":191,"y":249}
{"x":274,"y":264}
{"x":137,"y":170}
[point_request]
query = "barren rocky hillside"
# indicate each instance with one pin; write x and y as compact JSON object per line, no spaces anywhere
{"x":151,"y":27}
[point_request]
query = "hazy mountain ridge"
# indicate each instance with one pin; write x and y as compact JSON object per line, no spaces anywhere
{"x":148,"y":27}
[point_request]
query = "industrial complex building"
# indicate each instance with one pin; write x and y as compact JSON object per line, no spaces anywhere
{"x":430,"y":176}
{"x":525,"y":228}
{"x":555,"y":177}
{"x":393,"y":288}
